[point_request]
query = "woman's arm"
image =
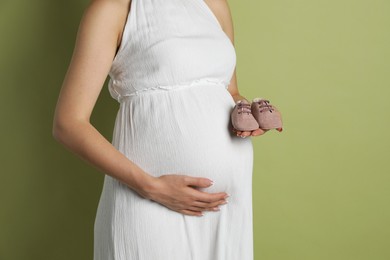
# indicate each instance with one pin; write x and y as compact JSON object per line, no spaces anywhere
{"x":97,"y":41}
{"x":95,"y":47}
{"x":221,"y":10}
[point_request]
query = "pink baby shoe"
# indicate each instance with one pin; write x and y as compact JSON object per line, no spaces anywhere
{"x":242,"y":118}
{"x":267,"y":116}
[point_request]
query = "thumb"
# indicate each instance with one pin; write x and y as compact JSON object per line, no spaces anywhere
{"x":199,"y":181}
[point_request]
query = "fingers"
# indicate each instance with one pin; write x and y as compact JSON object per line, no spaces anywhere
{"x":209,"y":206}
{"x":203,"y":209}
{"x":256,"y":132}
{"x":199,"y":206}
{"x":259,"y":132}
{"x":201,"y":201}
{"x":191,"y":212}
{"x":208,"y":197}
{"x":198,"y":181}
{"x":243,"y":133}
{"x":179,"y":193}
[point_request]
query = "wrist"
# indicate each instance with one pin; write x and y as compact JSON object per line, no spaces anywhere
{"x":147,"y":188}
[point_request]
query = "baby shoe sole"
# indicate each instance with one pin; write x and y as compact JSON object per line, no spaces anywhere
{"x":273,"y":126}
{"x":245,"y":130}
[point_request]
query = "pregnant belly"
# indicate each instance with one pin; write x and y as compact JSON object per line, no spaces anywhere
{"x":186,"y":131}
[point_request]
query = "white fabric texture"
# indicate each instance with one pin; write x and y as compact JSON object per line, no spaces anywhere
{"x":170,"y":78}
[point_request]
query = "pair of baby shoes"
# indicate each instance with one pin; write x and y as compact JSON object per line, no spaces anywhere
{"x":257,"y":114}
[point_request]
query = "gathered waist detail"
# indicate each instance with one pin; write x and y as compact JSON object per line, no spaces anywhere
{"x":161,"y":88}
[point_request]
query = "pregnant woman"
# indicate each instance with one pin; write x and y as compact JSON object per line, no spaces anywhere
{"x":171,"y":65}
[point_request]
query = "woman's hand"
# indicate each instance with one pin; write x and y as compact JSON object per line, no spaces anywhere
{"x":178,"y":193}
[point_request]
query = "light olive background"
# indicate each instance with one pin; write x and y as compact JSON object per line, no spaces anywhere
{"x":320,"y":188}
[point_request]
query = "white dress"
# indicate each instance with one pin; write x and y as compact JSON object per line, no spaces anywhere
{"x":170,"y":77}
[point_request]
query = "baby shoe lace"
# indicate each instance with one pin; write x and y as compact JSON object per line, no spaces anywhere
{"x":264,"y":104}
{"x":244,"y":108}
